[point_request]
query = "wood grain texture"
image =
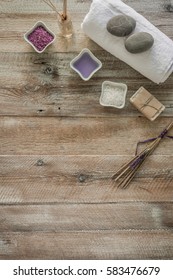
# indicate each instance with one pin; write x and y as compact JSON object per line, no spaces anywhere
{"x":46,"y":86}
{"x":81,"y":179}
{"x":80,"y":217}
{"x":78,"y":136}
{"x":87,"y":245}
{"x":59,"y":148}
{"x":80,"y":6}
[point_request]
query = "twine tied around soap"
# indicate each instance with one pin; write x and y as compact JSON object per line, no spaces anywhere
{"x":127,"y":172}
{"x":147,"y":104}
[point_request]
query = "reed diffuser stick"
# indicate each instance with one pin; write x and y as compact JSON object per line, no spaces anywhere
{"x":64,"y":20}
{"x":65,"y":9}
{"x":50,"y":4}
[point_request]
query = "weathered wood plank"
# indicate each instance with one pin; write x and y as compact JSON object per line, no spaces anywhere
{"x":148,"y":6}
{"x":80,"y":217}
{"x":78,"y":136}
{"x":88,"y":245}
{"x":46,"y":86}
{"x":13,"y":6}
{"x":157,"y":166}
{"x":81,"y":7}
{"x":81,"y":179}
{"x":52,"y":190}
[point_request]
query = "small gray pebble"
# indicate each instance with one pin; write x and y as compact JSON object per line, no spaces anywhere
{"x":121,"y":25}
{"x":139,"y":42}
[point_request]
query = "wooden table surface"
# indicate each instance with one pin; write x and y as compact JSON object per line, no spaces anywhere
{"x":59,"y":147}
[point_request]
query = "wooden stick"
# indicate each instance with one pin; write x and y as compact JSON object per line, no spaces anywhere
{"x":169,"y":126}
{"x":126,"y":165}
{"x":52,"y":6}
{"x":126,"y":169}
{"x":65,"y":9}
{"x":121,"y":169}
{"x":152,"y":147}
{"x":129,"y":179}
{"x":125,"y":181}
{"x":122,"y":173}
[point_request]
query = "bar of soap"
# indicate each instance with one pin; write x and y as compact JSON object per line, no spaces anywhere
{"x":147,"y":104}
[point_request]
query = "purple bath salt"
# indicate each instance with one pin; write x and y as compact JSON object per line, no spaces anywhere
{"x":40,"y":37}
{"x":85,"y":65}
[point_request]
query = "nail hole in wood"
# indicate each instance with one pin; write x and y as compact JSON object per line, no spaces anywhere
{"x":169,"y":8}
{"x":40,"y":111}
{"x":82,"y":178}
{"x":49,"y":70}
{"x":40,"y":162}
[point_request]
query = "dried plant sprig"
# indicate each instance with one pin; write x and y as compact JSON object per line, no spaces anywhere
{"x":127,"y":172}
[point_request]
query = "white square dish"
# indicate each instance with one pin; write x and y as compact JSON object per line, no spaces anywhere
{"x":36,"y":37}
{"x":113,"y":94}
{"x":86,"y":64}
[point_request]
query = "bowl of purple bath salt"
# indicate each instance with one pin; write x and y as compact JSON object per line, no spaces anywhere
{"x":39,"y":37}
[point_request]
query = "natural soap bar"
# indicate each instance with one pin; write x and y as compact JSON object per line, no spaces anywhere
{"x":147,"y":104}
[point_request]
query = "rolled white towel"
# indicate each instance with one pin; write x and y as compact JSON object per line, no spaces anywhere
{"x":156,"y":64}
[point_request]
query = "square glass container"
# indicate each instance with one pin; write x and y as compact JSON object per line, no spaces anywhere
{"x":39,"y":37}
{"x":113,"y":94}
{"x":86,"y":64}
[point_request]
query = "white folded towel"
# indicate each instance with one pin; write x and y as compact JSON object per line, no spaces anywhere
{"x":156,"y":64}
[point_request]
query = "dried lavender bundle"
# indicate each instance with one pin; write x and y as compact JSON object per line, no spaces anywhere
{"x":127,"y":172}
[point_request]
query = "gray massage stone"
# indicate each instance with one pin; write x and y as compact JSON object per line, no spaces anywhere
{"x":139,"y":42}
{"x":121,"y":25}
